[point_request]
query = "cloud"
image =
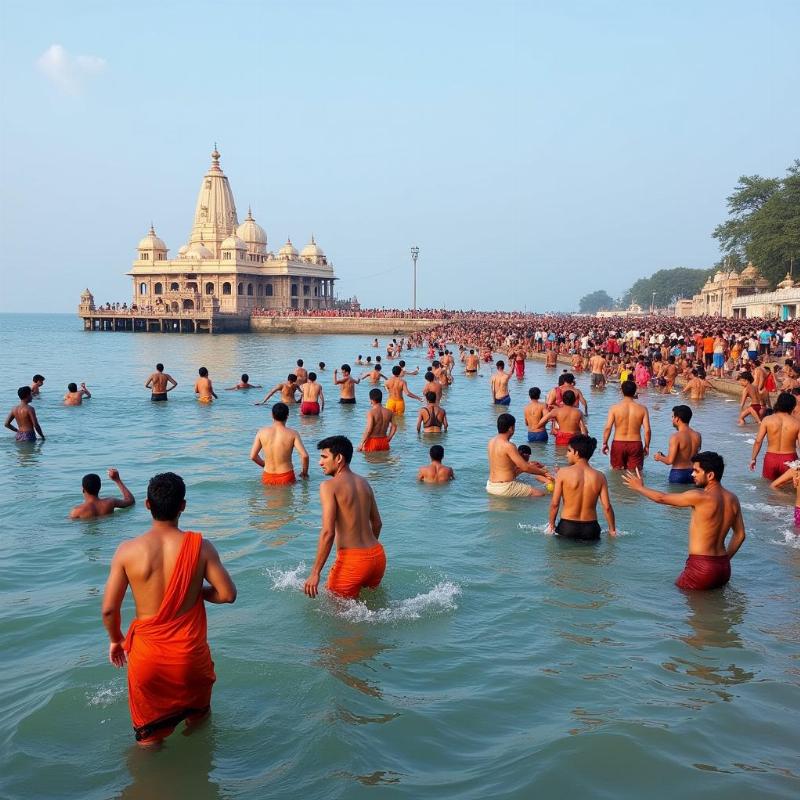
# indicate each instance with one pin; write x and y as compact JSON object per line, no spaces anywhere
{"x":67,"y":72}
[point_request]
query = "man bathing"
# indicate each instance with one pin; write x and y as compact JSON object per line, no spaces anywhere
{"x":36,"y":384}
{"x":160,"y":383}
{"x":579,"y":486}
{"x":313,"y":399}
{"x":471,"y":363}
{"x":243,"y":384}
{"x":397,"y":387}
{"x":682,"y":447}
{"x":534,"y":411}
{"x":346,"y":384}
{"x":74,"y":395}
{"x":350,"y":518}
{"x":95,"y":506}
{"x":749,"y":393}
{"x":436,"y":471}
{"x":380,"y":427}
{"x":782,"y":431}
{"x":277,"y":442}
{"x":568,"y":418}
{"x":499,"y":385}
{"x":203,"y":387}
{"x":505,"y":463}
{"x":301,"y":372}
{"x":25,"y":417}
{"x":172,"y":574}
{"x":627,"y":419}
{"x":715,"y":511}
{"x":288,"y":390}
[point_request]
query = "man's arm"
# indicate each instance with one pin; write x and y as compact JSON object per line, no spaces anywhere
{"x":116,"y":586}
{"x":255,"y":451}
{"x":127,"y":497}
{"x":410,"y":393}
{"x":367,"y":431}
{"x":149,"y":383}
{"x":8,"y":421}
{"x":688,"y":499}
{"x":219,"y":586}
{"x":171,"y":380}
{"x":762,"y":432}
{"x":321,"y":399}
{"x":35,"y":420}
{"x":267,"y":396}
{"x":85,"y":392}
{"x":555,"y":503}
{"x":607,"y":430}
{"x":582,"y":425}
{"x":647,"y":432}
{"x":787,"y":476}
{"x":419,"y":420}
{"x":303,"y":453}
{"x":608,"y":509}
{"x":672,"y":452}
{"x":376,"y":523}
{"x":392,"y":430}
{"x":738,"y":533}
{"x":327,"y":535}
{"x":211,"y":389}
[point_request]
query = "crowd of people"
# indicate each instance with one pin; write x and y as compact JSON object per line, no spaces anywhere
{"x":172,"y":573}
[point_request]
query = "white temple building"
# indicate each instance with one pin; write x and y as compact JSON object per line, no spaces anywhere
{"x":226,"y":267}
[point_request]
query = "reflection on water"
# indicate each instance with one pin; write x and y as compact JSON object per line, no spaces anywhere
{"x":342,"y":653}
{"x":714,"y":618}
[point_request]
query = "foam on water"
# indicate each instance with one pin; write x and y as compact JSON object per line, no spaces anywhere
{"x":283,"y":579}
{"x":777,"y":512}
{"x":106,"y":695}
{"x":790,"y":539}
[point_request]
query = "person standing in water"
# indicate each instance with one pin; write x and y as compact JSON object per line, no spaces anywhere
{"x":160,"y":383}
{"x":25,"y":416}
{"x":682,"y":447}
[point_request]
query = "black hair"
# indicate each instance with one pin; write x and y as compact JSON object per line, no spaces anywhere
{"x":291,"y":377}
{"x":710,"y":462}
{"x":401,"y":363}
{"x":534,"y":393}
{"x":38,"y":378}
{"x":339,"y":446}
{"x":91,"y":484}
{"x":786,"y":402}
{"x":245,"y":378}
{"x":583,"y":445}
{"x":396,"y":370}
{"x":376,"y":394}
{"x":628,"y":389}
{"x":524,"y":450}
{"x":203,"y":374}
{"x":299,"y":362}
{"x":346,"y":368}
{"x":501,"y":365}
{"x":24,"y":392}
{"x":312,"y":376}
{"x":568,"y":397}
{"x":683,"y":413}
{"x":165,"y":493}
{"x":159,"y":368}
{"x":72,"y":387}
{"x":505,"y":422}
{"x":280,"y":412}
{"x":430,"y":397}
{"x":745,"y":376}
{"x":429,"y":376}
{"x":322,"y":365}
{"x":436,"y":452}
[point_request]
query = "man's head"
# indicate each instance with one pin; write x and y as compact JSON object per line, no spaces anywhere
{"x":159,"y":367}
{"x":203,"y":372}
{"x":280,"y":412}
{"x":38,"y":379}
{"x":346,"y":368}
{"x":376,"y":396}
{"x":436,"y":453}
{"x":524,"y":451}
{"x":25,"y":393}
{"x":91,"y":484}
{"x":707,"y":466}
{"x":746,"y":377}
{"x":335,"y":453}
{"x":682,"y":414}
{"x":72,"y":387}
{"x":534,"y":393}
{"x":581,"y":446}
{"x":568,"y":397}
{"x":396,"y":371}
{"x":312,"y":376}
{"x":291,"y":377}
{"x":628,"y":389}
{"x":505,"y":423}
{"x":429,"y":376}
{"x":786,"y":403}
{"x":321,"y":366}
{"x":245,"y":378}
{"x":430,"y":397}
{"x":402,"y":364}
{"x":501,"y":365}
{"x":299,"y":362}
{"x":166,"y":496}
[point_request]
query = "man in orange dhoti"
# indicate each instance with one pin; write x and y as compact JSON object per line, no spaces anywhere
{"x":172,"y":574}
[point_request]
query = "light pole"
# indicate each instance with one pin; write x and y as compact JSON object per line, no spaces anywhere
{"x":414,"y":257}
{"x":653,"y":303}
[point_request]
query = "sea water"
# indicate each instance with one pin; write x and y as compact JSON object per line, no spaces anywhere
{"x":494,"y":661}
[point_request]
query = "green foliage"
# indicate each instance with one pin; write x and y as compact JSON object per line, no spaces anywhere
{"x":764,"y":223}
{"x":668,"y":284}
{"x":596,"y":301}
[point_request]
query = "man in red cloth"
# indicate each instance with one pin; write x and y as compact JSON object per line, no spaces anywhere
{"x":172,"y":574}
{"x":715,"y":511}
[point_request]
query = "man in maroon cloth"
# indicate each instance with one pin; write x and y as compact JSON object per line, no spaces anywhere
{"x":715,"y":512}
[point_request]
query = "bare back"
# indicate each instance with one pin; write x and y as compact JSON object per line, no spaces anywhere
{"x":581,"y":486}
{"x":355,"y":509}
{"x":277,"y":443}
{"x":782,"y":431}
{"x":628,"y":418}
{"x":714,"y":512}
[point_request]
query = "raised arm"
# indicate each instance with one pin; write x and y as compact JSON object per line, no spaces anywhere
{"x":219,"y":586}
{"x":688,"y":499}
{"x":327,"y":535}
{"x":127,"y":497}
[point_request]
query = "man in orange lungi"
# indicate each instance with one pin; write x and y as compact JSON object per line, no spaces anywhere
{"x":350,"y":518}
{"x":380,"y":426}
{"x":172,"y":574}
{"x":277,"y":441}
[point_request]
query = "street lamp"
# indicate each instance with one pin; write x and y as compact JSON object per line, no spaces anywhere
{"x":414,"y":257}
{"x":652,"y":302}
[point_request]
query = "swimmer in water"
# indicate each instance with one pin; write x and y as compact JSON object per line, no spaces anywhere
{"x":436,"y":471}
{"x":243,"y":384}
{"x":579,"y":486}
{"x":380,"y":428}
{"x":628,"y":419}
{"x":288,"y":390}
{"x":203,"y":387}
{"x":682,"y":447}
{"x":534,"y":412}
{"x":74,"y":395}
{"x":498,"y":384}
{"x":715,"y":512}
{"x":346,"y":384}
{"x":95,"y":506}
{"x":277,"y":442}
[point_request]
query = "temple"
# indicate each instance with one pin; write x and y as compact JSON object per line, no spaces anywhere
{"x":225,"y":271}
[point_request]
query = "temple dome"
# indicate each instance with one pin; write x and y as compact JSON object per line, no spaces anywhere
{"x":151,"y":242}
{"x":183,"y":249}
{"x":719,"y":276}
{"x":288,"y":250}
{"x":312,"y":250}
{"x":233,"y":242}
{"x":750,"y":271}
{"x":251,"y":232}
{"x":787,"y":282}
{"x":199,"y":250}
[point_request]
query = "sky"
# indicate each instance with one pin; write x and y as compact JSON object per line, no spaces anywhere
{"x":533,"y":151}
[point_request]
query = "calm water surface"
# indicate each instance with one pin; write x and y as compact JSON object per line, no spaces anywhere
{"x":495,"y":661}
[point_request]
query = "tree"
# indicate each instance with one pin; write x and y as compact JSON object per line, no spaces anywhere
{"x":596,"y":301}
{"x":668,"y":285}
{"x":764,"y":224}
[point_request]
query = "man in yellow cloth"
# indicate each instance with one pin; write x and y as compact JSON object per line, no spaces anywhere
{"x":172,"y":574}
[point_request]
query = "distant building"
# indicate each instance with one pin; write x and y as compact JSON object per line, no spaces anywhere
{"x":783,"y":303}
{"x":719,"y":292}
{"x":225,"y":267}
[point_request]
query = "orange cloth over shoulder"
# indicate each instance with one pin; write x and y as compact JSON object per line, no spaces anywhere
{"x":376,"y":443}
{"x":170,"y":671}
{"x":278,"y":478}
